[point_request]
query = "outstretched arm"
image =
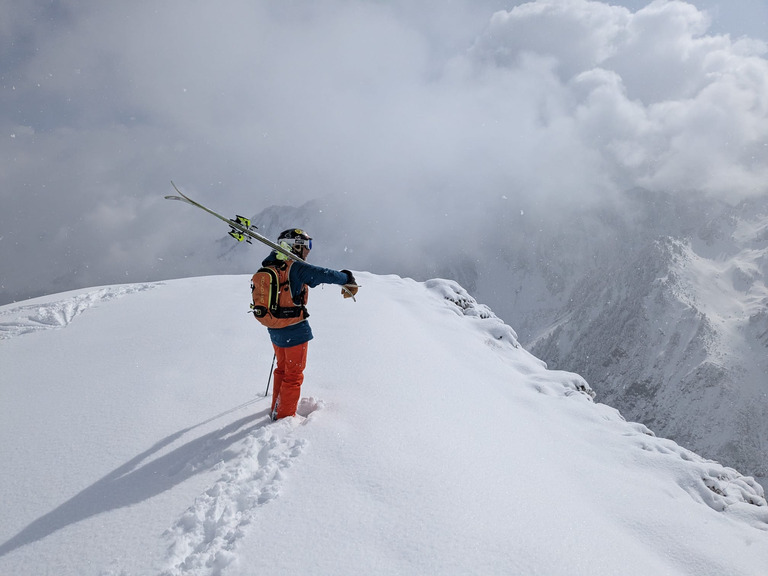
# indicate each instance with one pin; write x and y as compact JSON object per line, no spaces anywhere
{"x":303,"y":273}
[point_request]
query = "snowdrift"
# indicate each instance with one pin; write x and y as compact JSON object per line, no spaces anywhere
{"x":134,"y":439}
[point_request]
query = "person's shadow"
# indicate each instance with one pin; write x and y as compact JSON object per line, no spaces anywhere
{"x":134,"y":482}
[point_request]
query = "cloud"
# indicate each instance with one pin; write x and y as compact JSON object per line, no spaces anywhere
{"x":420,"y":117}
{"x":665,"y":105}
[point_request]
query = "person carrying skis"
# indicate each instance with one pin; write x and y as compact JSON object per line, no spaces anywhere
{"x":288,"y":328}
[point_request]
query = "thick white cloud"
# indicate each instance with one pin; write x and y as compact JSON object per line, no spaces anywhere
{"x":419,"y":115}
{"x":667,"y":106}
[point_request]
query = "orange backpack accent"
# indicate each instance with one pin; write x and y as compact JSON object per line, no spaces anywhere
{"x":272,"y":304}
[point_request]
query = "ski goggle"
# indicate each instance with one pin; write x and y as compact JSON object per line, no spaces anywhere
{"x":296,"y":243}
{"x":300,"y":242}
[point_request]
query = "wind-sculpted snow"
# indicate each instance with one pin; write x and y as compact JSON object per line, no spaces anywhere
{"x":453,"y":292}
{"x":468,"y":306}
{"x":500,"y":336}
{"x":708,"y":482}
{"x":19,"y":320}
{"x":719,"y":487}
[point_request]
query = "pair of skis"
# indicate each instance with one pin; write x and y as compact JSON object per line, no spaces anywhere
{"x":240,"y":228}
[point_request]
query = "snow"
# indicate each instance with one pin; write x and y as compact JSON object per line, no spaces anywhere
{"x":134,"y":440}
{"x":671,"y":329}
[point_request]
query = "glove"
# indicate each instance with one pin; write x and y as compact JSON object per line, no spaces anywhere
{"x":350,"y":288}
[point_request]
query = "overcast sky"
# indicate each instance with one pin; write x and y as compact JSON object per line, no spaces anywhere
{"x":403,"y":108}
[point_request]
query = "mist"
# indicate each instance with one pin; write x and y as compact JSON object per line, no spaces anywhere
{"x":424,"y":122}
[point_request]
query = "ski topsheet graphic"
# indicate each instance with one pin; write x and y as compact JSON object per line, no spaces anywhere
{"x":240,"y":227}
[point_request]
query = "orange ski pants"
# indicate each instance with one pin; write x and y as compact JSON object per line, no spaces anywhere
{"x":288,"y":377}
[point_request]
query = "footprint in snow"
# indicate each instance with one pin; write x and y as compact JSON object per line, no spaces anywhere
{"x":203,"y":540}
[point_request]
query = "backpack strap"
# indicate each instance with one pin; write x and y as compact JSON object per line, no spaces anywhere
{"x":274,"y":289}
{"x":274,"y":298}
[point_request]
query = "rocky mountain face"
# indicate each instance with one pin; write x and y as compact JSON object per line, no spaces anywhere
{"x":660,"y":302}
{"x":664,"y":312}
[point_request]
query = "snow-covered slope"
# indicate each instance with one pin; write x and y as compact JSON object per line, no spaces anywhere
{"x":134,"y":440}
{"x":672,"y":328}
{"x":659,"y":301}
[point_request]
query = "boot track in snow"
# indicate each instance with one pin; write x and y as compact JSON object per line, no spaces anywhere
{"x":205,"y":538}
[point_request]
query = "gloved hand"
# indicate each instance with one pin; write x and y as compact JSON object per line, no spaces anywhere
{"x":350,"y":288}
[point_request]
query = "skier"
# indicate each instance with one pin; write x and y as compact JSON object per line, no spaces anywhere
{"x":291,"y":338}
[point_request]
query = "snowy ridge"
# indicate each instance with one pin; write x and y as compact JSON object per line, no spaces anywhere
{"x":501,"y":337}
{"x":48,"y":315}
{"x":205,"y":539}
{"x":721,"y":488}
{"x":442,"y":447}
{"x":494,"y":327}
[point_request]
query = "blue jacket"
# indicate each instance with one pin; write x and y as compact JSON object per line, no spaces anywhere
{"x":301,"y":274}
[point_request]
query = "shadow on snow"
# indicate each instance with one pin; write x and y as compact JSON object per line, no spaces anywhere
{"x":134,"y":482}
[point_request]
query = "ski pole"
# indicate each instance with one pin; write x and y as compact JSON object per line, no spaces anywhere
{"x":270,"y":373}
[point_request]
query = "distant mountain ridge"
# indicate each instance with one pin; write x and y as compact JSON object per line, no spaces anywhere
{"x":670,"y":326}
